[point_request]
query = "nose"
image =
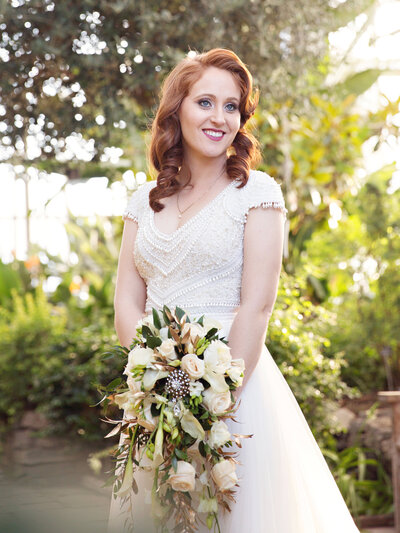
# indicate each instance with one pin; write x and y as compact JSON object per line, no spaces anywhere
{"x":217,"y":116}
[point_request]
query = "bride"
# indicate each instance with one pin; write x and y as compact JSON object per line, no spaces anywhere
{"x":207,"y":235}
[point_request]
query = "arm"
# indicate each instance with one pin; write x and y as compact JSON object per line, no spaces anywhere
{"x":262,"y":259}
{"x":130,"y":290}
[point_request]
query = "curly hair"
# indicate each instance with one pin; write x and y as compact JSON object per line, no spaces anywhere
{"x":166,"y":149}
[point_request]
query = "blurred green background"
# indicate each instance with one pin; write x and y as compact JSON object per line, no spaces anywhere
{"x":87,"y":74}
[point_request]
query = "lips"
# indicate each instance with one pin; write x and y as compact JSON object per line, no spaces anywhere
{"x":214,"y":135}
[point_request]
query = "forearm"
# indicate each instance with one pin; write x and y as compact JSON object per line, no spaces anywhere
{"x":126,"y":317}
{"x":246,"y":339}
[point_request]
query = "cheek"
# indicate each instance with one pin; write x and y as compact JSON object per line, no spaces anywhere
{"x":189,"y":118}
{"x":235,"y":124}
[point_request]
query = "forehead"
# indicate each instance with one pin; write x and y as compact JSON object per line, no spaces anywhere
{"x":216,"y":81}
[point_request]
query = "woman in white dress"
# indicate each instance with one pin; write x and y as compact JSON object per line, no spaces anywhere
{"x":213,"y":245}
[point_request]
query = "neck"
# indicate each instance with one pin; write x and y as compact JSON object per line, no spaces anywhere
{"x":205,"y":171}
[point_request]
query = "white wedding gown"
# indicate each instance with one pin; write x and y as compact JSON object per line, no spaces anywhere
{"x":285,"y":483}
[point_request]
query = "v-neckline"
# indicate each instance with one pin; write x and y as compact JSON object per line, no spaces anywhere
{"x":191,"y":219}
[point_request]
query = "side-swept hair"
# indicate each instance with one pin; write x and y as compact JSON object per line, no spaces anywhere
{"x":166,"y":149}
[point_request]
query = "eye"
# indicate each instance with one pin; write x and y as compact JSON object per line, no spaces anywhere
{"x":204,"y":100}
{"x":233,"y":107}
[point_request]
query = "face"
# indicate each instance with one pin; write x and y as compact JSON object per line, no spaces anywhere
{"x":209,"y":115}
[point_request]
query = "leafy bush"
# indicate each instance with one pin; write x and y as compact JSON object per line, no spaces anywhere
{"x":26,"y":331}
{"x":297,"y":340}
{"x":48,"y":367}
{"x":365,"y":485}
{"x":13,"y":276}
{"x":358,"y":263}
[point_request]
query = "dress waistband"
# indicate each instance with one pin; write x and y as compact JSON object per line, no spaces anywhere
{"x":195,"y":312}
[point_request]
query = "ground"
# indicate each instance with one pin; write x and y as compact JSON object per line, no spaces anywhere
{"x":47,"y":485}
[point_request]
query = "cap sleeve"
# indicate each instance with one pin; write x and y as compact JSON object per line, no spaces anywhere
{"x":260,"y":190}
{"x":263,"y":191}
{"x":131,"y":209}
{"x":137,"y":202}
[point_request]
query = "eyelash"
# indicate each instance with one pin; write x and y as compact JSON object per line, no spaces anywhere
{"x":235,"y":107}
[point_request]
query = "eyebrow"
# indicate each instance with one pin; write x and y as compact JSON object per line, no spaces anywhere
{"x":213,"y":96}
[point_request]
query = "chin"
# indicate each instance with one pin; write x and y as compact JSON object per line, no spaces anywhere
{"x":217,"y":152}
{"x":214,"y":155}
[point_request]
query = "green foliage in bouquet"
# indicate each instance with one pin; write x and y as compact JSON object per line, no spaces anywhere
{"x":179,"y":390}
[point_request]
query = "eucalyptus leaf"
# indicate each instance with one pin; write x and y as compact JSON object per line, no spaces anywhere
{"x":166,"y":318}
{"x":181,"y":454}
{"x":179,"y":313}
{"x":146,"y":332}
{"x":114,"y":383}
{"x":153,"y":342}
{"x":200,"y":320}
{"x":156,"y":318}
{"x":202,"y":449}
{"x":211,"y":333}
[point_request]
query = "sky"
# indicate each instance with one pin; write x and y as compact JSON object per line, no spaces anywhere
{"x":377,"y":47}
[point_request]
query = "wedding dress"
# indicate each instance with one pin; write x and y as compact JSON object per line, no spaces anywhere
{"x":286,"y":485}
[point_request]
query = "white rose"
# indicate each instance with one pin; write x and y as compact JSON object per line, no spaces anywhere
{"x":195,"y":330}
{"x":193,"y":366}
{"x":207,"y":505}
{"x":184,"y":478}
{"x":236,"y":370}
{"x":224,"y":474}
{"x":210,"y":323}
{"x":216,"y":402}
{"x":164,"y":333}
{"x":219,"y":434}
{"x":138,"y":357}
{"x":147,"y":321}
{"x":195,"y":388}
{"x":217,"y":357}
{"x":167,"y":349}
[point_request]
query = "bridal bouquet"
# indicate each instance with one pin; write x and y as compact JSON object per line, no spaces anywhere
{"x":180,"y":376}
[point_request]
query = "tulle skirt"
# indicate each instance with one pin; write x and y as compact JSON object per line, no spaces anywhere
{"x":286,"y":485}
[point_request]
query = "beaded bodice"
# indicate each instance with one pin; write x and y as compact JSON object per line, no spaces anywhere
{"x":199,"y":266}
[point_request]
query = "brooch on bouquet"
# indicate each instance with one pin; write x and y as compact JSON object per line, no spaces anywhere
{"x":180,"y":377}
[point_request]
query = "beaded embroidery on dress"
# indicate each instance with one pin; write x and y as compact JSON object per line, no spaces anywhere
{"x":174,"y":273}
{"x":285,"y":483}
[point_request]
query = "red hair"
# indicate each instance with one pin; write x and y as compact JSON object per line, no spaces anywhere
{"x":166,"y":150}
